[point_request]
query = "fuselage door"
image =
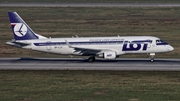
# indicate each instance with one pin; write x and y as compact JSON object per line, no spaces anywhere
{"x":48,"y":45}
{"x":149,"y":44}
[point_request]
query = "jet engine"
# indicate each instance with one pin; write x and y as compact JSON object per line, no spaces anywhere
{"x":108,"y":55}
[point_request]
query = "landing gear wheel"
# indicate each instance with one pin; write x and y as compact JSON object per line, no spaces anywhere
{"x":152,"y":60}
{"x":91,"y":59}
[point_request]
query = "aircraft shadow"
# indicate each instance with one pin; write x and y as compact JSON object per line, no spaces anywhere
{"x":79,"y":60}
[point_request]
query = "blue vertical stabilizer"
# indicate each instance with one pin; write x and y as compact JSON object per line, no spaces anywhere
{"x":20,"y":29}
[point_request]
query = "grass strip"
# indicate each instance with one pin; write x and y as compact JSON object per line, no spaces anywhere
{"x":90,"y":1}
{"x":89,"y":86}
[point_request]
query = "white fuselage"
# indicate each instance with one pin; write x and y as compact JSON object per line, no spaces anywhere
{"x":121,"y":45}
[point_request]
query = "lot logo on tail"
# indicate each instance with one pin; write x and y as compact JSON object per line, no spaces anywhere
{"x":20,"y":29}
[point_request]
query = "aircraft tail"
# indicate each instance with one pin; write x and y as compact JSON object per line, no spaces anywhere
{"x":20,"y":29}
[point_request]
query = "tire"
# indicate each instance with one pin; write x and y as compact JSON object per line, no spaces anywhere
{"x":91,"y":59}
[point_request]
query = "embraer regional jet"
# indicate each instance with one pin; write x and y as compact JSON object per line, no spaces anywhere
{"x":103,"y":47}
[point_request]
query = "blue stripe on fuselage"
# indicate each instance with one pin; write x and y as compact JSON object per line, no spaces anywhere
{"x":78,"y":43}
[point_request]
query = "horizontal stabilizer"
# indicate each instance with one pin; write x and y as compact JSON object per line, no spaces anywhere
{"x":17,"y":44}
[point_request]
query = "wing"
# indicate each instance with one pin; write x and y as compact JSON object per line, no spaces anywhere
{"x":85,"y":51}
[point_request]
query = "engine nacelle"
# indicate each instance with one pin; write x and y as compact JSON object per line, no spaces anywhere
{"x":108,"y":55}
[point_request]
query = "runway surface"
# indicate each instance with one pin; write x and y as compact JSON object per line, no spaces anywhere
{"x":141,"y":64}
{"x":90,"y":5}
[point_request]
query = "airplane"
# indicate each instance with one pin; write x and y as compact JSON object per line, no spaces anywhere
{"x":102,"y":47}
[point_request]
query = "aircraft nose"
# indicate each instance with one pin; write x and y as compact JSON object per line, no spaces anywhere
{"x":170,"y":48}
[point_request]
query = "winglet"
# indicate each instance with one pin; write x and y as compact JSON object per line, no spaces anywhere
{"x":68,"y":44}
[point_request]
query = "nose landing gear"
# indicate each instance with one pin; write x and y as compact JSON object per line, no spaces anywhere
{"x":152,"y":57}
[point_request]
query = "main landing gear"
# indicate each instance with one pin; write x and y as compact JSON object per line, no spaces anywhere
{"x":152,"y":57}
{"x":91,"y":58}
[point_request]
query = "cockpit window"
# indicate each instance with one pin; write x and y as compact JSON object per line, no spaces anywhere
{"x":159,"y":41}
